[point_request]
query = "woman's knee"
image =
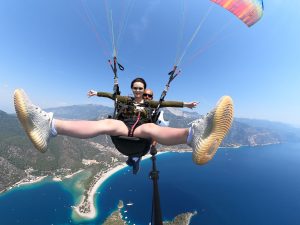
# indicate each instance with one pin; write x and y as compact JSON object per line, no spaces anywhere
{"x":147,"y":128}
{"x":114,"y":127}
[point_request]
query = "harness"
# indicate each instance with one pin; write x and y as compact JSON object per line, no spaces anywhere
{"x":129,"y":145}
{"x":134,"y":115}
{"x":133,"y":146}
{"x":128,"y":113}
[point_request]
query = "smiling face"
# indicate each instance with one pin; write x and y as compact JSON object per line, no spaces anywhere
{"x":148,"y":94}
{"x":138,"y":90}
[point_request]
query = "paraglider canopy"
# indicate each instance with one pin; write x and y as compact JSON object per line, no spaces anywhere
{"x":249,"y":11}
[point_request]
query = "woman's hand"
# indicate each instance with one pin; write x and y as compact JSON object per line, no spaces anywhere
{"x":190,"y":105}
{"x":92,"y":93}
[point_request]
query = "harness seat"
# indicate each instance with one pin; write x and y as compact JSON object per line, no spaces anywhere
{"x":132,"y":146}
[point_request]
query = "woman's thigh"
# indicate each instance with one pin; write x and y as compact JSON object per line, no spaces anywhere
{"x":164,"y":135}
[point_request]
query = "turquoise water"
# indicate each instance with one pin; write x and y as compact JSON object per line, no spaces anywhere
{"x":243,"y":186}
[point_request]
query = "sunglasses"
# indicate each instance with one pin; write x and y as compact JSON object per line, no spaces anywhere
{"x":138,"y":88}
{"x":148,"y":95}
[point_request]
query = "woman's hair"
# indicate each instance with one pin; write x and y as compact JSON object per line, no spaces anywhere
{"x":139,"y":79}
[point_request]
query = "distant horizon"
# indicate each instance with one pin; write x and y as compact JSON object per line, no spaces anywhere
{"x":182,"y":109}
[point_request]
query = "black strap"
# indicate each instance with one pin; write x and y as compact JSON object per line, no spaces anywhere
{"x":173,"y":74}
{"x":120,"y":67}
{"x":116,"y":89}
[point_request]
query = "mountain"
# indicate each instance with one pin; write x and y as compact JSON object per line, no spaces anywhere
{"x":19,"y":160}
{"x":82,"y":112}
{"x":245,"y":135}
{"x":244,"y":132}
{"x":287,"y":132}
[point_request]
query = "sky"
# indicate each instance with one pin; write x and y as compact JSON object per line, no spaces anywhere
{"x":58,"y":50}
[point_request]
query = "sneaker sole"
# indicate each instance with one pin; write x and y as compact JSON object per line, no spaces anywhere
{"x":23,"y":115}
{"x":221,"y":124}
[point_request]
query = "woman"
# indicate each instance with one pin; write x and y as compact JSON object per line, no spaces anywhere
{"x":135,"y":111}
{"x":204,"y":136}
{"x":138,"y":110}
{"x":133,"y":160}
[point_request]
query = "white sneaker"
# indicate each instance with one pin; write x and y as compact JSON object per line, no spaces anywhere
{"x":208,"y":132}
{"x":36,"y":122}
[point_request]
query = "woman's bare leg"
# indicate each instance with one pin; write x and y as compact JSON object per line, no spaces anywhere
{"x":89,"y":129}
{"x":206,"y":133}
{"x":163,"y":135}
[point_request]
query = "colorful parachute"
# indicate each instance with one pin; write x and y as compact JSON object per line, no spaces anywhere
{"x":249,"y":11}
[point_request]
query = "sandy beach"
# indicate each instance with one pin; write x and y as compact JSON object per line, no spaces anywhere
{"x":73,"y":174}
{"x":27,"y":181}
{"x":91,"y":194}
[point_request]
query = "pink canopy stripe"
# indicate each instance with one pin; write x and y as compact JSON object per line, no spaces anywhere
{"x":249,"y":11}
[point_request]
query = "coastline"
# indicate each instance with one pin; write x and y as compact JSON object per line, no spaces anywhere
{"x":27,"y":181}
{"x":86,"y":208}
{"x":61,"y":178}
{"x":34,"y":179}
{"x":88,"y":202}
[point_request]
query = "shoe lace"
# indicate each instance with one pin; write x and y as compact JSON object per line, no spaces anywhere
{"x":197,"y":127}
{"x":195,"y":122}
{"x":45,"y":114}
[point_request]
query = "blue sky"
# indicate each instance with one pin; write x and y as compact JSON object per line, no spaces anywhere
{"x":57,"y":50}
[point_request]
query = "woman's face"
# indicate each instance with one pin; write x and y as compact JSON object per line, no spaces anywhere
{"x":138,"y":89}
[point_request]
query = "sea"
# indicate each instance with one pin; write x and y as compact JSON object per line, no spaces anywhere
{"x":240,"y":186}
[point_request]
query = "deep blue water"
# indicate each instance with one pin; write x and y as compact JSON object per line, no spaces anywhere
{"x":44,"y":203}
{"x":243,"y":186}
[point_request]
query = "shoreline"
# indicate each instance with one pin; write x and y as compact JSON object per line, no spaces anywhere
{"x":27,"y":181}
{"x":61,"y":178}
{"x":87,"y":202}
{"x":30,"y":180}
